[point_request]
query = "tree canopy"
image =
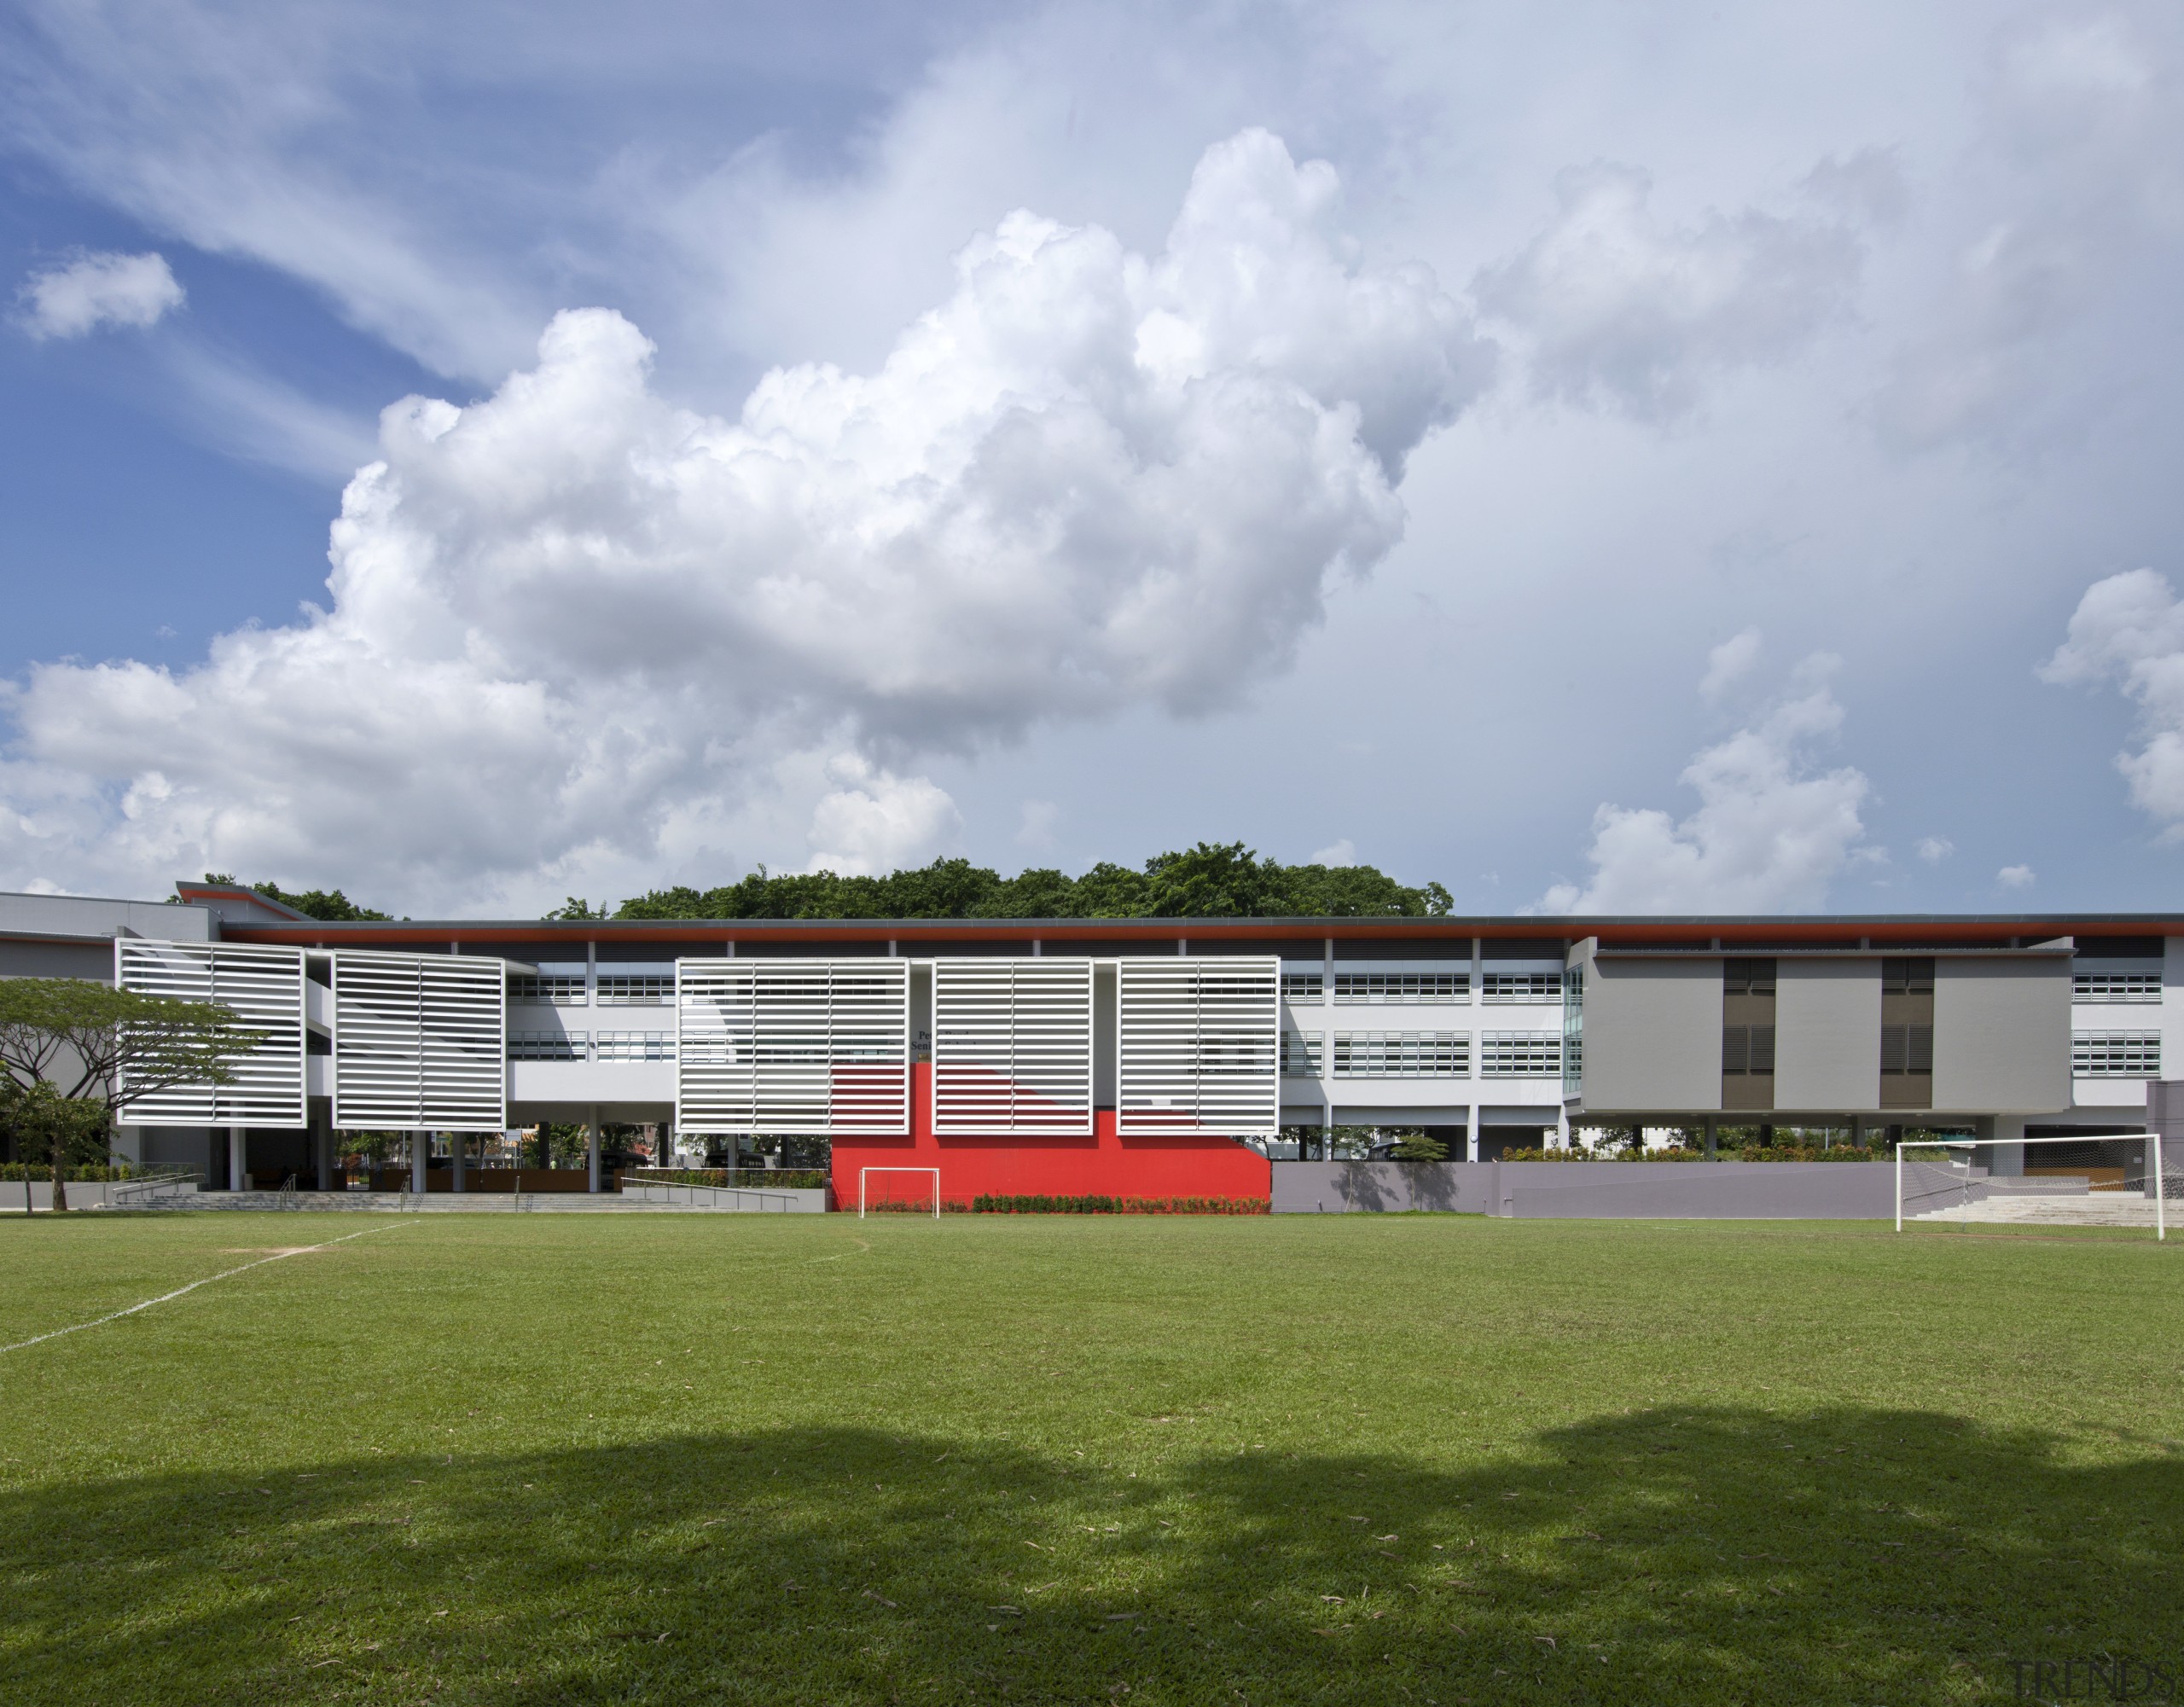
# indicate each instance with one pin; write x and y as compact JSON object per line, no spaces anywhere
{"x":1211,"y":880}
{"x":330,"y":904}
{"x":71,"y":1050}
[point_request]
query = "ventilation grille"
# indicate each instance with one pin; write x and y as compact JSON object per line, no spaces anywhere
{"x":794,"y":1046}
{"x":1011,"y":1048}
{"x":265,"y":987}
{"x":419,"y":1041}
{"x":1198,"y":1046}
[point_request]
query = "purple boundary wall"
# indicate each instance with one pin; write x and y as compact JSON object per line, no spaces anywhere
{"x":1657,"y":1191}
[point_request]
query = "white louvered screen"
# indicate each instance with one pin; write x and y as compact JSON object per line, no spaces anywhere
{"x":418,"y":1042}
{"x":1011,"y":1048}
{"x":795,"y":1047}
{"x":1198,"y":1042}
{"x":265,"y":987}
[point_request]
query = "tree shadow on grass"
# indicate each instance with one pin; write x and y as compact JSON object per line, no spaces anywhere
{"x":1674,"y":1555}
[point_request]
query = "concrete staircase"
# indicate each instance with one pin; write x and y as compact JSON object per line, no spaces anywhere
{"x":2029,"y":1208}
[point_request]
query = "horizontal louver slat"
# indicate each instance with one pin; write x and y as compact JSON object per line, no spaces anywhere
{"x":1198,"y":1041}
{"x":801,"y":1046}
{"x":264,"y":988}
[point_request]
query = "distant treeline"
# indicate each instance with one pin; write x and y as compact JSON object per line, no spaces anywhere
{"x":1208,"y":881}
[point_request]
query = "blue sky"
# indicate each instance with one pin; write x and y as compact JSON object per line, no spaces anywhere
{"x":1600,"y":456}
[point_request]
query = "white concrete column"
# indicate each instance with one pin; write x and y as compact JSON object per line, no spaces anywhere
{"x":1471,"y":1133}
{"x":129,"y":1145}
{"x":2006,"y":1157}
{"x":591,"y":1148}
{"x":421,"y":1144}
{"x":455,"y":1149}
{"x":238,"y":1159}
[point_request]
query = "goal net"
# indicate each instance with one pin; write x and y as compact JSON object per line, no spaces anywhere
{"x":2101,"y":1180}
{"x":913,"y":1189}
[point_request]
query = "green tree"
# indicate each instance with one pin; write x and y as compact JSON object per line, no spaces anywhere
{"x":1419,"y":1147}
{"x":1208,"y":880}
{"x":330,"y":904}
{"x":89,"y":1044}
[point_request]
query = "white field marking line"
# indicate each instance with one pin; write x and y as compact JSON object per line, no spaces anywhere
{"x":298,"y":1251}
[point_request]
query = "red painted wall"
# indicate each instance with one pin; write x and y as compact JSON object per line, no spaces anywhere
{"x":1207,"y":1166}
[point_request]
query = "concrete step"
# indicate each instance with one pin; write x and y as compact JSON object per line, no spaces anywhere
{"x":2098,"y":1208}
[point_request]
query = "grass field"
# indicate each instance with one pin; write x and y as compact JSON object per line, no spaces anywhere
{"x":1390,"y":1459}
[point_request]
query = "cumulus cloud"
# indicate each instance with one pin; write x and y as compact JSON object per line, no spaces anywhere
{"x":1770,"y":834}
{"x":1343,"y":852}
{"x":2127,"y":631}
{"x":1036,"y":831}
{"x":1730,"y":662}
{"x":875,"y":821}
{"x":2070,"y":186}
{"x":1614,"y":306}
{"x":1935,"y":848}
{"x":100,"y":288}
{"x":574,"y":622}
{"x":2014,"y":877}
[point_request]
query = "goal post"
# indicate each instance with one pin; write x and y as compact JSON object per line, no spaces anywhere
{"x":864,"y":1174}
{"x":2122,"y":1172}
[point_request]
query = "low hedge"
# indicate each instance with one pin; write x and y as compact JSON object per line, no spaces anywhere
{"x":994,"y":1203}
{"x":1777,"y":1153}
{"x":749,"y":1179}
{"x":38,"y":1173}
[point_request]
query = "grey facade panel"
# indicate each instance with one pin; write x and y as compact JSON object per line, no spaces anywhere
{"x":1828,"y":1035}
{"x":2002,"y":1035}
{"x":20,"y":959}
{"x":92,"y":916}
{"x":1652,"y":1032}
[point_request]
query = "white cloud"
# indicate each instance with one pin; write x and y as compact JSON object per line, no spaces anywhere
{"x":2014,"y":877}
{"x":1036,"y":831}
{"x":572,"y":624}
{"x":1614,"y":306}
{"x":2068,"y":191}
{"x":1935,"y":848}
{"x":2129,"y":630}
{"x":1343,"y":852}
{"x":1770,"y":834}
{"x":1730,"y":662}
{"x":876,"y":821}
{"x":101,"y":288}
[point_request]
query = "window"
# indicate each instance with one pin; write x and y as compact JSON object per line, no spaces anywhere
{"x":1303,"y":1055}
{"x":546,"y":1045}
{"x":1907,"y":977}
{"x":1371,"y":989}
{"x":1502,"y":989}
{"x":1402,"y":1055}
{"x":1907,"y":1049}
{"x":1519,"y":1054}
{"x":2116,"y":1054}
{"x":637,"y":990}
{"x":2115,"y":986}
{"x":1303,"y":986}
{"x":1573,"y":1031}
{"x":546,"y":990}
{"x":633,"y":1046}
{"x":1742,"y":977}
{"x":1750,"y":1049}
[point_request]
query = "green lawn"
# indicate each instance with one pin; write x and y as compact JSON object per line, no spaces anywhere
{"x":1431,"y":1459}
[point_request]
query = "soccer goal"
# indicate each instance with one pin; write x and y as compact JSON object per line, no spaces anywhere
{"x":864,"y":1174}
{"x":2112,"y":1179}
